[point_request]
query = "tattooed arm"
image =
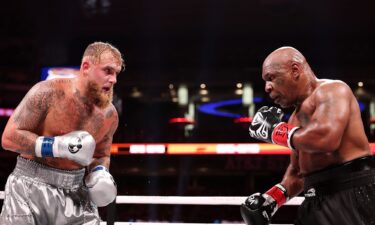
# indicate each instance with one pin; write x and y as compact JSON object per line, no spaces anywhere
{"x":22,"y":128}
{"x":101,"y":186}
{"x":103,"y":148}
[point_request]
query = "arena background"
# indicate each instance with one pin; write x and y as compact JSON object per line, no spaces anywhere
{"x":181,"y":55}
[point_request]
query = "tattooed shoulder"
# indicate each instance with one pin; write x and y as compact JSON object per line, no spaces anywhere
{"x":35,"y":105}
{"x":111,"y":112}
{"x":113,"y":116}
{"x":47,"y":93}
{"x":113,"y":126}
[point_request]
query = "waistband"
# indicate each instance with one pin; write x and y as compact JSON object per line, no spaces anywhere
{"x":42,"y":173}
{"x":350,"y":174}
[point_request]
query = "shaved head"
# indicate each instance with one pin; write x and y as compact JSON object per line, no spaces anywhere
{"x":286,"y":69}
{"x":284,"y":56}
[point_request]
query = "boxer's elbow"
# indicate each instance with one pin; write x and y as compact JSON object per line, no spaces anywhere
{"x":6,"y":142}
{"x":10,"y":138}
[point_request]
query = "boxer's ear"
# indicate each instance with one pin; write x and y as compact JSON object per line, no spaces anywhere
{"x":85,"y":65}
{"x":296,"y":70}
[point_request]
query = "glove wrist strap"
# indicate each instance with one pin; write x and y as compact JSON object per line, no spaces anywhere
{"x":99,"y":167}
{"x":279,"y":194}
{"x":282,"y":134}
{"x":44,"y":146}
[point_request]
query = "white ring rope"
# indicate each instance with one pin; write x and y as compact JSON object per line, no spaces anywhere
{"x":185,"y":200}
{"x":166,"y":223}
{"x":190,"y":200}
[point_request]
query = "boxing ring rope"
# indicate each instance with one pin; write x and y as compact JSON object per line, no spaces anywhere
{"x":183,"y":200}
{"x":158,"y":223}
{"x":190,"y":200}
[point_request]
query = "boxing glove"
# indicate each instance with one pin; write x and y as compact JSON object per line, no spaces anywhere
{"x":258,"y":209}
{"x":102,"y":188}
{"x":267,"y":126}
{"x":78,"y":146}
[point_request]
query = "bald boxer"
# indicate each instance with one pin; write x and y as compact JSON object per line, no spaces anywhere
{"x":331,"y":161}
{"x":63,"y":130}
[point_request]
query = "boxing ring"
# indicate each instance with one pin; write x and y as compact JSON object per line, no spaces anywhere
{"x":187,"y":200}
{"x":180,"y":200}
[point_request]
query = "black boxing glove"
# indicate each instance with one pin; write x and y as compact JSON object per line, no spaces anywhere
{"x":267,"y":126}
{"x":258,"y":209}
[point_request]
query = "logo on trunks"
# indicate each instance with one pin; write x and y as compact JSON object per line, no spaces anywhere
{"x":310,"y":193}
{"x":75,"y":145}
{"x":262,"y":130}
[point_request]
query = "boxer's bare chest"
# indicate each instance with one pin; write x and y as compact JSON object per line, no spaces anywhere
{"x":302,"y":115}
{"x":70,"y":114}
{"x":309,"y":161}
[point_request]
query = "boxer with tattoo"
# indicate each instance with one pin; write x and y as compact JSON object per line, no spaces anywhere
{"x":63,"y":130}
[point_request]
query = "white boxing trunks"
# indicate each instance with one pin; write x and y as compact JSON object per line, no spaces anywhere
{"x":36,"y":194}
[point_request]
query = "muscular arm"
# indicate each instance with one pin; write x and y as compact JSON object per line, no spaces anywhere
{"x":292,"y":180}
{"x":323,"y":131}
{"x":21,"y":130}
{"x":103,"y":149}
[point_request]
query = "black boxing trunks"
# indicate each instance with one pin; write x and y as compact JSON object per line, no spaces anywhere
{"x":340,"y":195}
{"x":38,"y":194}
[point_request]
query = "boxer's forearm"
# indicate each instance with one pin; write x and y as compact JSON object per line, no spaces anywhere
{"x":102,"y":155}
{"x":317,"y":139}
{"x":20,"y":141}
{"x":102,"y":160}
{"x":292,"y":181}
{"x":19,"y":134}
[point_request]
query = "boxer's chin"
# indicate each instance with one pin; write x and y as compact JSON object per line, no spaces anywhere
{"x":98,"y":96}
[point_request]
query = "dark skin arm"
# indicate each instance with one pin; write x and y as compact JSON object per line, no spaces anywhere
{"x":293,"y":180}
{"x":323,"y":131}
{"x":103,"y":148}
{"x":20,"y":132}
